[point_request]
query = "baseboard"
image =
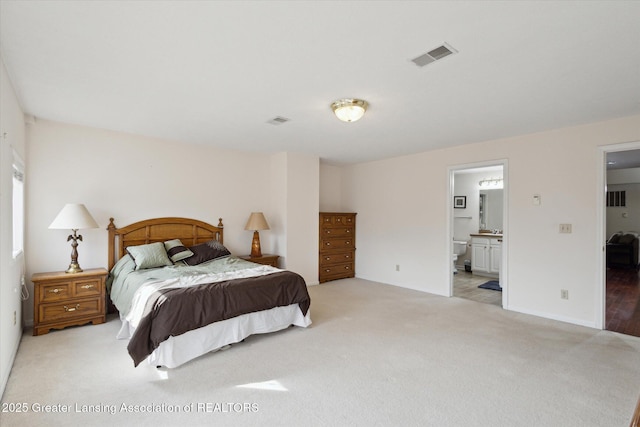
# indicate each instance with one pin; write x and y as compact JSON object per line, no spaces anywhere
{"x":552,"y":316}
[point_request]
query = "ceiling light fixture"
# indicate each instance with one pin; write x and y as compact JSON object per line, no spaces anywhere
{"x":349,"y":110}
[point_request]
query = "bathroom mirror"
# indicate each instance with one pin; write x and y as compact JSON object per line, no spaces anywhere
{"x":491,"y":209}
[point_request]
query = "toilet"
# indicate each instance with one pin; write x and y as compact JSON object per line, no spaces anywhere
{"x":459,"y":248}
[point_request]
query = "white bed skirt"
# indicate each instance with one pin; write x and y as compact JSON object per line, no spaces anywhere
{"x":180,"y":349}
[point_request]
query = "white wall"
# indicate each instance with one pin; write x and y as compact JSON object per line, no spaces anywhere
{"x":409,"y":226}
{"x":295,"y":196}
{"x":330,"y":188}
{"x":12,"y":137}
{"x":131,"y":178}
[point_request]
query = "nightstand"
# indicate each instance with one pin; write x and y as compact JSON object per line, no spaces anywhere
{"x":63,"y":299}
{"x":265,"y":259}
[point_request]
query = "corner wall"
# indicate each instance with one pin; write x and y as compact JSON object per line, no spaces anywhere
{"x":131,"y":178}
{"x":12,"y":137}
{"x":402,"y":217}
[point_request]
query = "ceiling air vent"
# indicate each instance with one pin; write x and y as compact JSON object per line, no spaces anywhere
{"x":278,"y":120}
{"x":434,"y":55}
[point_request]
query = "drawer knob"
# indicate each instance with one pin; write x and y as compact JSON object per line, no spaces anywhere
{"x":347,"y":242}
{"x":346,"y":267}
{"x":328,"y":258}
{"x":328,"y":243}
{"x":347,"y":256}
{"x":327,"y":270}
{"x":88,"y":286}
{"x":55,"y":291}
{"x":348,"y":231}
{"x":72,"y":308}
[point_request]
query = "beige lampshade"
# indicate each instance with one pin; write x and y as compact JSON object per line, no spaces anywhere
{"x":74,"y":216}
{"x":256,"y":221}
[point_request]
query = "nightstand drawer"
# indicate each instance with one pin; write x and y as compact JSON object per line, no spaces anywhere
{"x":55,"y":292}
{"x":69,"y":309}
{"x":87,"y":288}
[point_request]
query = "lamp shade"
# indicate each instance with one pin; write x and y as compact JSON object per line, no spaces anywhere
{"x":74,"y":216}
{"x":256,"y":221}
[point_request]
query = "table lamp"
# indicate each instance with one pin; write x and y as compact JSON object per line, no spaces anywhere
{"x":256,"y":222}
{"x":74,"y":216}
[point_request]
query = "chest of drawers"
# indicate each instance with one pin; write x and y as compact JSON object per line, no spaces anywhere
{"x":62,"y":299}
{"x":337,"y":246}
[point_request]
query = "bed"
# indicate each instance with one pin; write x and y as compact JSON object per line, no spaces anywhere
{"x":181,"y":294}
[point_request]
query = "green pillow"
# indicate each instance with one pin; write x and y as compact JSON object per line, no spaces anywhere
{"x":176,"y":250}
{"x":152,"y":255}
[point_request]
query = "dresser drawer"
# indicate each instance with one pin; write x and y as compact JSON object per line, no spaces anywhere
{"x":55,"y":292}
{"x":337,"y":271}
{"x":337,"y":231}
{"x":336,"y":258}
{"x":338,"y":220}
{"x":69,"y":309}
{"x":336,"y":243}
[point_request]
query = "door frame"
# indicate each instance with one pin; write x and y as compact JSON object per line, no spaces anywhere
{"x":504,"y":264}
{"x":601,"y":226}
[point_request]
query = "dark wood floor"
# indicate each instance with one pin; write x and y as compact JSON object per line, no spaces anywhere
{"x":623,"y":301}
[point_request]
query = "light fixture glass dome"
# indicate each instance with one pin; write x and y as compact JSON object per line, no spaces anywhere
{"x":349,"y":110}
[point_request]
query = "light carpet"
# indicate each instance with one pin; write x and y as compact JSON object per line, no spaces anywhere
{"x":376,"y":355}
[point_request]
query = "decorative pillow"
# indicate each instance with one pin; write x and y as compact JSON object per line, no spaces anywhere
{"x":149,"y":256}
{"x":176,"y":250}
{"x":206,"y":252}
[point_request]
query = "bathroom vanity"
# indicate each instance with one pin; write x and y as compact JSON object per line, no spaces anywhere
{"x":486,"y":253}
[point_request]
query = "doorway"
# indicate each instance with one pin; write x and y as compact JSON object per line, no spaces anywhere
{"x":621,"y":206}
{"x":477,"y":232}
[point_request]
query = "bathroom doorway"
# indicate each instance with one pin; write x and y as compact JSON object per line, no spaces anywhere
{"x":621,"y":257}
{"x":478,"y":222}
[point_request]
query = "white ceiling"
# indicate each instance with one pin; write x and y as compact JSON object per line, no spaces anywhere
{"x":217,"y":72}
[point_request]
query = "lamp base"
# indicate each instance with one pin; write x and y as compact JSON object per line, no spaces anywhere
{"x":255,"y":245}
{"x":74,"y":268}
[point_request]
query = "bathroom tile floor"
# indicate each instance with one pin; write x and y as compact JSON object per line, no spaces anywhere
{"x":465,"y":285}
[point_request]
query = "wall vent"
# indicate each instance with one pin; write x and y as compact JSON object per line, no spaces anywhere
{"x":278,"y":120}
{"x":434,"y":55}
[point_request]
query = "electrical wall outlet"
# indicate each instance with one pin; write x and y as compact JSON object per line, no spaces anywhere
{"x":397,"y":267}
{"x":565,"y":228}
{"x":564,"y":294}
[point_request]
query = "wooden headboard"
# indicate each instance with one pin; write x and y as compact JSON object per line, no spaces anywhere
{"x":190,"y":231}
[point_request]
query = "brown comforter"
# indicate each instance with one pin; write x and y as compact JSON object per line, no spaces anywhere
{"x":174,"y":311}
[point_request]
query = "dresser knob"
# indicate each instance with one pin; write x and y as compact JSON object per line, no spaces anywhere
{"x":55,"y":291}
{"x":328,"y":258}
{"x":327,"y":270}
{"x":346,"y":267}
{"x":88,"y":286}
{"x":348,"y":231}
{"x":72,"y":308}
